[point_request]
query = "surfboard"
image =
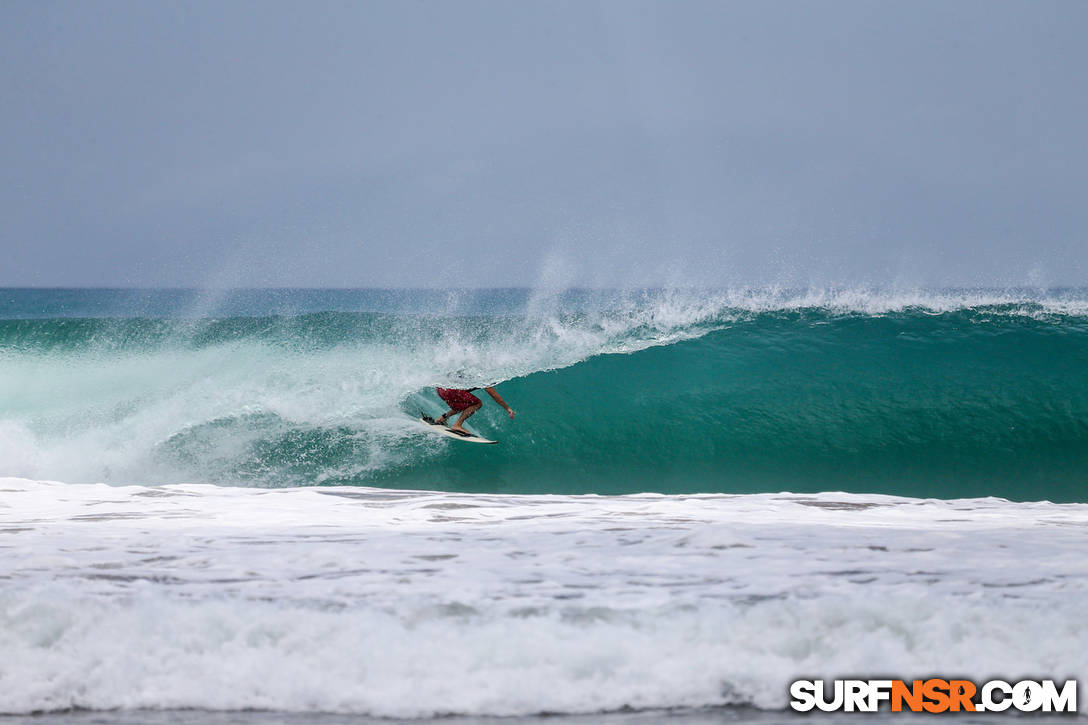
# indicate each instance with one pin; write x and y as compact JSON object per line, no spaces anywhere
{"x":445,"y":430}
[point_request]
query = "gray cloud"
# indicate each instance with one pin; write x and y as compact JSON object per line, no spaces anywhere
{"x":483,"y":143}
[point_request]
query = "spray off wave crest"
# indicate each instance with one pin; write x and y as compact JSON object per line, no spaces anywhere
{"x":132,"y":400}
{"x":951,"y":393}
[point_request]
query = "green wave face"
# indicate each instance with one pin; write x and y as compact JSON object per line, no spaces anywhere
{"x":914,"y":405}
{"x":656,"y":394}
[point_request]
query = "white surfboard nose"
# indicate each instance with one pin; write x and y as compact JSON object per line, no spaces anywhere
{"x":450,"y":433}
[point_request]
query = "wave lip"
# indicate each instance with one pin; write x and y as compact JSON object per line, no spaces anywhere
{"x":198,"y":304}
{"x":417,"y":604}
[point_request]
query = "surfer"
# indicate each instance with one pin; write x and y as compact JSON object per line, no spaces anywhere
{"x":465,"y":403}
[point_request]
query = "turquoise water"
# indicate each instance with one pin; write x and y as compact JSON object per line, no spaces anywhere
{"x":909,"y":404}
{"x":946,"y":393}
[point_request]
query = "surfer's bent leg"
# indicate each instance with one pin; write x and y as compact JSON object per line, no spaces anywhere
{"x":465,"y":415}
{"x":459,"y":401}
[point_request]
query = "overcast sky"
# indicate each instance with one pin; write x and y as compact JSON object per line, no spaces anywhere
{"x":504,"y":143}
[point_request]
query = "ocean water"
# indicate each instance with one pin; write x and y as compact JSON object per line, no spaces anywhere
{"x":222,"y":502}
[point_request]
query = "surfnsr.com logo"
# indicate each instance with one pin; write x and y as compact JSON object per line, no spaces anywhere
{"x":934,"y":695}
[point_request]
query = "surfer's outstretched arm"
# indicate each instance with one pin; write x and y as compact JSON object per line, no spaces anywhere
{"x":498,"y":399}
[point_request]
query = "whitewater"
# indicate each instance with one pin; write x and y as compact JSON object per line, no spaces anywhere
{"x":416,"y":604}
{"x":221,"y":502}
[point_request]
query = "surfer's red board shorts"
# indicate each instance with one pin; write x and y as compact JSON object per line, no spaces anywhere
{"x":457,"y":399}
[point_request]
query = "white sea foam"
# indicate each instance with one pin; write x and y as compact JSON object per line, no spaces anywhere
{"x":403,"y":604}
